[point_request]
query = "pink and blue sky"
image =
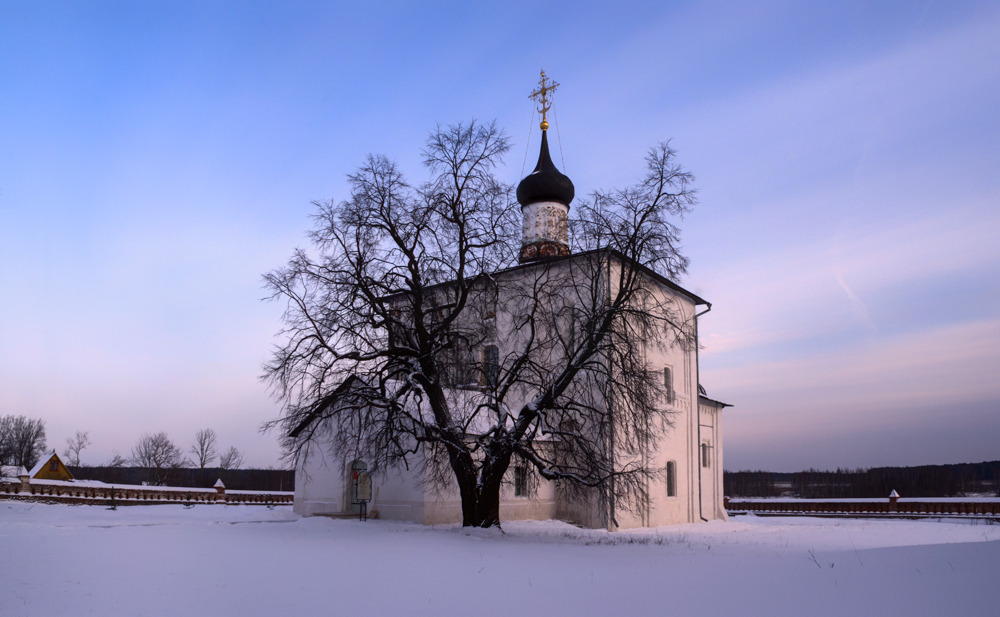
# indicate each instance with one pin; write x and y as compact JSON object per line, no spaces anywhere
{"x":157,"y":157}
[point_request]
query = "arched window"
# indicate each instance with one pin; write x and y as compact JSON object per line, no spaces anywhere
{"x":491,"y":367}
{"x":668,"y":383}
{"x":520,"y":481}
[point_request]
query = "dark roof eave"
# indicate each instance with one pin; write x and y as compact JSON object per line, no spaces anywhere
{"x":702,"y":398}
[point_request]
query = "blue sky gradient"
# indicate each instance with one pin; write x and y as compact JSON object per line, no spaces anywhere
{"x":156,"y":158}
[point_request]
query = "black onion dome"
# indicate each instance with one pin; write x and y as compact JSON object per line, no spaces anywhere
{"x":546,"y":183}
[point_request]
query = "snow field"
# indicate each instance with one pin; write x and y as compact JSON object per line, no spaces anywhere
{"x":250,"y":560}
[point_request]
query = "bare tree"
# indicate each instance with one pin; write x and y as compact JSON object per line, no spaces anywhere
{"x":6,"y":440}
{"x":394,"y":346}
{"x":231,"y":459}
{"x":116,"y":460}
{"x":204,"y":448}
{"x":157,"y":454}
{"x":75,"y":446}
{"x":22,"y":440}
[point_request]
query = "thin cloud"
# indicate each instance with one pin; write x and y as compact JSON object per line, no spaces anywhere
{"x":953,"y":364}
{"x":800,"y":292}
{"x":857,"y":304}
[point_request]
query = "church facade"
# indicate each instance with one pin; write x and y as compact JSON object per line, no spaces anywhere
{"x":688,"y":456}
{"x":685,"y":457}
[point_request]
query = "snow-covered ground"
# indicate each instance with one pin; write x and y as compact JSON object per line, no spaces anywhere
{"x":249,"y":560}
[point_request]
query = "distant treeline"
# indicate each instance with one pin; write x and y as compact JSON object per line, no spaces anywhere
{"x":924,"y":481}
{"x":235,"y":479}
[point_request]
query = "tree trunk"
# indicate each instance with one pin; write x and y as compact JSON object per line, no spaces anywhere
{"x":494,"y":468}
{"x":465,"y":475}
{"x":480,"y":496}
{"x":489,"y":504}
{"x":470,"y":507}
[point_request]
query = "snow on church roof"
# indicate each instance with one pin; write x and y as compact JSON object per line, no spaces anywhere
{"x":656,"y":276}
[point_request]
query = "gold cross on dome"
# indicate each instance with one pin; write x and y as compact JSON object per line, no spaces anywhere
{"x":545,"y":88}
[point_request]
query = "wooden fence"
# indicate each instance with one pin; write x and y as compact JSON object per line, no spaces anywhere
{"x":861,"y":509}
{"x":69,"y":492}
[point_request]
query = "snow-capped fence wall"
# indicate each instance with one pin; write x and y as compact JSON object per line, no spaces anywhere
{"x":892,"y":507}
{"x":105,"y":494}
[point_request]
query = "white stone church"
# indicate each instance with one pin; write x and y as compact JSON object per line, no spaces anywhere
{"x":688,"y":455}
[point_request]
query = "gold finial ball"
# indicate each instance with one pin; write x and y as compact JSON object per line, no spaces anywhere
{"x":544,"y":125}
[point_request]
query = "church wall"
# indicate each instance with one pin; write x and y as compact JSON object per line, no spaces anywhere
{"x":666,"y":509}
{"x":401,"y":494}
{"x":445,"y":507}
{"x":398,"y":494}
{"x":679,"y":443}
{"x":319,"y":483}
{"x":443,"y":504}
{"x":719,"y":496}
{"x":581,"y":507}
{"x":538,"y":504}
{"x":322,"y":488}
{"x":675,"y":444}
{"x":712,"y":487}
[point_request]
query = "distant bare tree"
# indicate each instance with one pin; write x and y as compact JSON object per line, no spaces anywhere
{"x":22,"y":440}
{"x":204,"y":448}
{"x":6,"y":440}
{"x":231,"y":458}
{"x":74,"y":446}
{"x":157,"y":454}
{"x":116,"y":460}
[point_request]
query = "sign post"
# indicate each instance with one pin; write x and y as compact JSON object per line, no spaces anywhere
{"x":364,"y":493}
